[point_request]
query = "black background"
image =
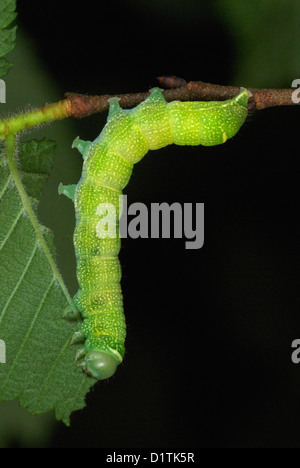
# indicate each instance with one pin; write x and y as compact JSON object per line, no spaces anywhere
{"x":208,"y":360}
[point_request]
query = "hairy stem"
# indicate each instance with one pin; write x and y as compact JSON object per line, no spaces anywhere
{"x":48,"y":113}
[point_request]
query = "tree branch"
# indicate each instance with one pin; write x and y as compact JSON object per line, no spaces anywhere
{"x":83,"y":105}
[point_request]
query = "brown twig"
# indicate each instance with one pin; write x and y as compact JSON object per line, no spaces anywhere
{"x":83,"y":105}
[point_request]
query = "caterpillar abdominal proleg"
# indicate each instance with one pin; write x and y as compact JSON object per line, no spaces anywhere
{"x":108,"y":162}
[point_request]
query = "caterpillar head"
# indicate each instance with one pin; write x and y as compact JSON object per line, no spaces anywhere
{"x":99,"y":365}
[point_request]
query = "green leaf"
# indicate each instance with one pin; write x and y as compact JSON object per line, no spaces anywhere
{"x":7,"y":12}
{"x":40,"y":369}
{"x":7,"y":40}
{"x":7,"y":36}
{"x":5,"y":66}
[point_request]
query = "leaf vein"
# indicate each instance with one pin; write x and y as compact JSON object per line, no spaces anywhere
{"x":5,"y":186}
{"x":28,"y":333}
{"x":51,"y":370}
{"x":11,"y":229}
{"x":19,"y":281}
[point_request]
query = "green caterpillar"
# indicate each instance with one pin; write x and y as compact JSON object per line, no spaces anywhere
{"x":108,"y":162}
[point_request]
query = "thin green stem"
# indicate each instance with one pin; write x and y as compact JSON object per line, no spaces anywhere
{"x":10,"y":151}
{"x":48,"y":113}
